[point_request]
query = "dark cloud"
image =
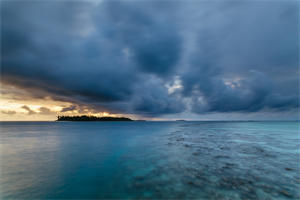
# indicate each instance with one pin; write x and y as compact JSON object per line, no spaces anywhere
{"x":8,"y":112}
{"x":45,"y":111}
{"x":122,"y":56}
{"x":155,"y":100}
{"x":41,"y":110}
{"x":69,"y":108}
{"x":153,"y":40}
{"x":239,"y":63}
{"x":29,"y":111}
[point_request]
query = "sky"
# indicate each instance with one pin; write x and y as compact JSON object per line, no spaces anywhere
{"x":155,"y":60}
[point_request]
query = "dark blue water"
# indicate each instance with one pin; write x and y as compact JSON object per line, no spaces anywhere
{"x":161,"y":160}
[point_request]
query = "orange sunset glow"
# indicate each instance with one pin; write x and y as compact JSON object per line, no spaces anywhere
{"x":20,"y":106}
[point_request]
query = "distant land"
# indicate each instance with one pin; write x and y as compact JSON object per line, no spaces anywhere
{"x":91,"y":118}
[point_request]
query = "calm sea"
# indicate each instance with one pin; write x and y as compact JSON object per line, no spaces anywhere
{"x":158,"y":160}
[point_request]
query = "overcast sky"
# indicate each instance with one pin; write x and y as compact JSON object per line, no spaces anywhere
{"x":153,"y":59}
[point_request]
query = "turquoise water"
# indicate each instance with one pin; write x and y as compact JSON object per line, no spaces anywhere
{"x":158,"y":160}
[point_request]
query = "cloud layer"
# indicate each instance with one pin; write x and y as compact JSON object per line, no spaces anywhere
{"x":154,"y":58}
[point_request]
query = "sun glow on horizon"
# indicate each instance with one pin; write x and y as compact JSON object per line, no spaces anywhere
{"x":26,"y":108}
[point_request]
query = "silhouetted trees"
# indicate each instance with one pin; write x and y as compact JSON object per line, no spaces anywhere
{"x":91,"y":118}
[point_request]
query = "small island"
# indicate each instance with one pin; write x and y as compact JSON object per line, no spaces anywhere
{"x":91,"y":118}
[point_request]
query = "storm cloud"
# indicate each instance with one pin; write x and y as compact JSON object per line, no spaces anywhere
{"x":154,"y":57}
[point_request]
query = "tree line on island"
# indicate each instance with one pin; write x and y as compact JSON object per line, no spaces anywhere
{"x":91,"y":118}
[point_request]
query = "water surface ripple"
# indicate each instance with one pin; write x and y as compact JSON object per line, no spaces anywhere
{"x":158,"y":160}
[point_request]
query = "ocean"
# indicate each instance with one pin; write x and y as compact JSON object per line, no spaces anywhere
{"x":150,"y":160}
